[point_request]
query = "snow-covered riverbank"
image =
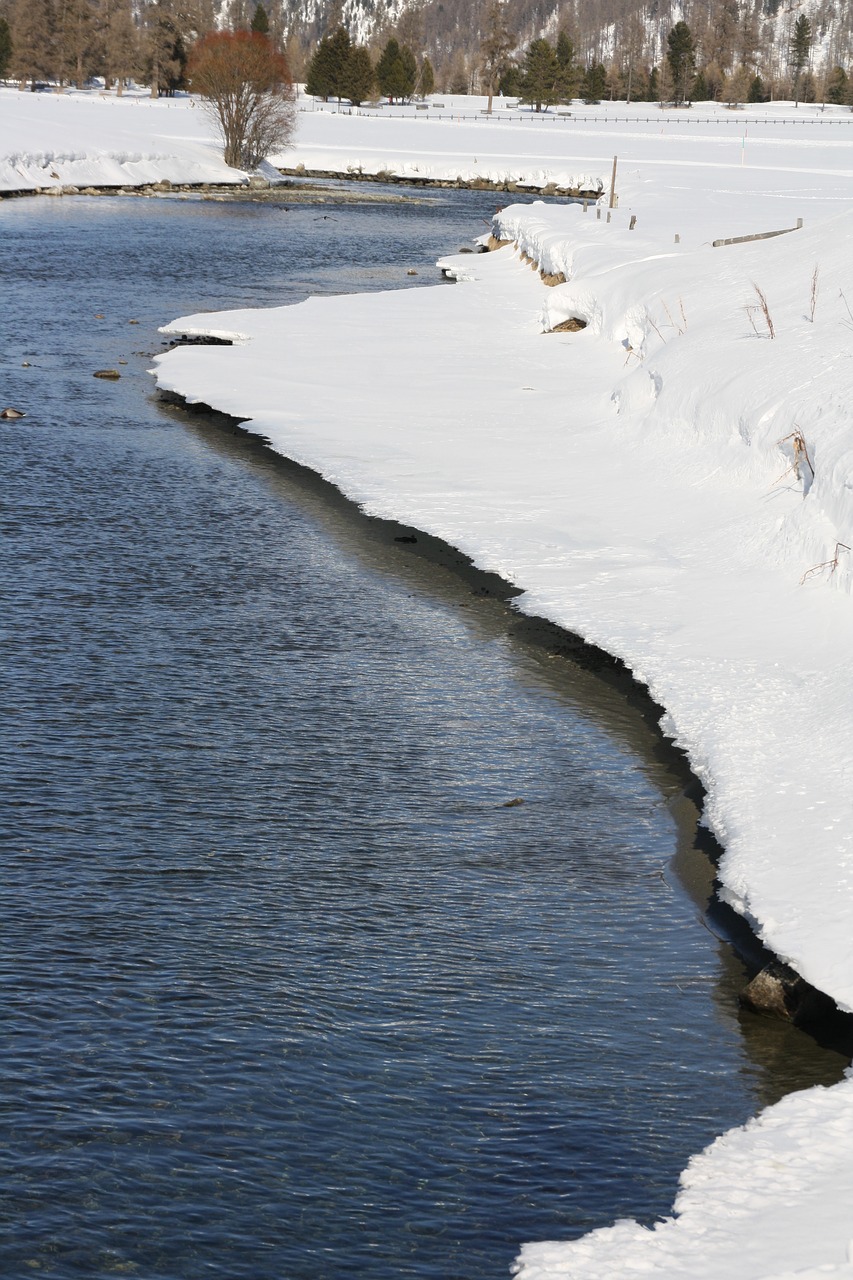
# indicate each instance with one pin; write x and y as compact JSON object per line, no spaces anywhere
{"x":674,"y":482}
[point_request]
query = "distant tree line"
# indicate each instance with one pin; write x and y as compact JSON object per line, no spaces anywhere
{"x":732,"y":51}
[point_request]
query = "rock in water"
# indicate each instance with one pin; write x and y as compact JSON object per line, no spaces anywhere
{"x":107,"y":373}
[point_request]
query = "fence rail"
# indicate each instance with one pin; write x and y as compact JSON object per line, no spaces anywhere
{"x":566,"y":117}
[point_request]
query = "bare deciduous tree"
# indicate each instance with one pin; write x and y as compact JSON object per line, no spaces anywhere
{"x":246,"y":86}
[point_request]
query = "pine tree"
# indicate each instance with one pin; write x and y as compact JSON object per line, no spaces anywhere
{"x":837,"y":86}
{"x":5,"y":47}
{"x":410,"y":70}
{"x":757,"y":91}
{"x":396,"y":71}
{"x":319,"y":82}
{"x":681,"y":58}
{"x":260,"y":21}
{"x":594,"y":83}
{"x":569,"y":72}
{"x":701,"y":93}
{"x":801,"y":44}
{"x":327,"y":69}
{"x":541,"y":75}
{"x":358,"y":76}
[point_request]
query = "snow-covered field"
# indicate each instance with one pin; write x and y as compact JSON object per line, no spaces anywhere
{"x":674,"y":482}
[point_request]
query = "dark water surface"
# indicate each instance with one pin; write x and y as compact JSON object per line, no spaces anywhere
{"x":287,"y":991}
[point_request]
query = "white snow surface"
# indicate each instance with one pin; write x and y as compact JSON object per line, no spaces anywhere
{"x":51,"y":140}
{"x":671,"y":482}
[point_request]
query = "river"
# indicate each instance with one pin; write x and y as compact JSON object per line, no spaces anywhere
{"x":290,"y":988}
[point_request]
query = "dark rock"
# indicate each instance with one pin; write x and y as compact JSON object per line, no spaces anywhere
{"x":779,"y":991}
{"x":111,"y":374}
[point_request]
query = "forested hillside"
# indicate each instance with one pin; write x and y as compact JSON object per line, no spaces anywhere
{"x":731,"y":50}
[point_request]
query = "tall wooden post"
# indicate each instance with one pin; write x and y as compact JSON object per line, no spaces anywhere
{"x":612,"y":204}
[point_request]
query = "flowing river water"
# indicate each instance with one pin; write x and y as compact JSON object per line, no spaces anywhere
{"x":289,"y":989}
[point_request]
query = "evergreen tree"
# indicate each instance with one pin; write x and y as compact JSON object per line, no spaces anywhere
{"x":569,"y":73}
{"x":319,"y":82}
{"x":5,"y":47}
{"x":510,"y":82}
{"x":396,"y":71}
{"x":340,"y":46}
{"x":757,"y":91}
{"x":801,"y":44}
{"x":410,"y":70}
{"x":681,"y":58}
{"x":540,"y":78}
{"x":260,"y":21}
{"x":837,"y":87}
{"x":495,"y":48}
{"x":594,"y":83}
{"x":358,"y":76}
{"x":327,"y":69}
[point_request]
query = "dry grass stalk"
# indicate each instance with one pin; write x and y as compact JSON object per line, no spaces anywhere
{"x":801,"y":454}
{"x":831,"y":565}
{"x":679,"y":327}
{"x":814,"y":292}
{"x":762,"y":308}
{"x":847,"y":308}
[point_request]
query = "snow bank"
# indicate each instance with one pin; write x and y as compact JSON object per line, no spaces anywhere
{"x":675,"y":483}
{"x":52,"y":140}
{"x":770,"y":1201}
